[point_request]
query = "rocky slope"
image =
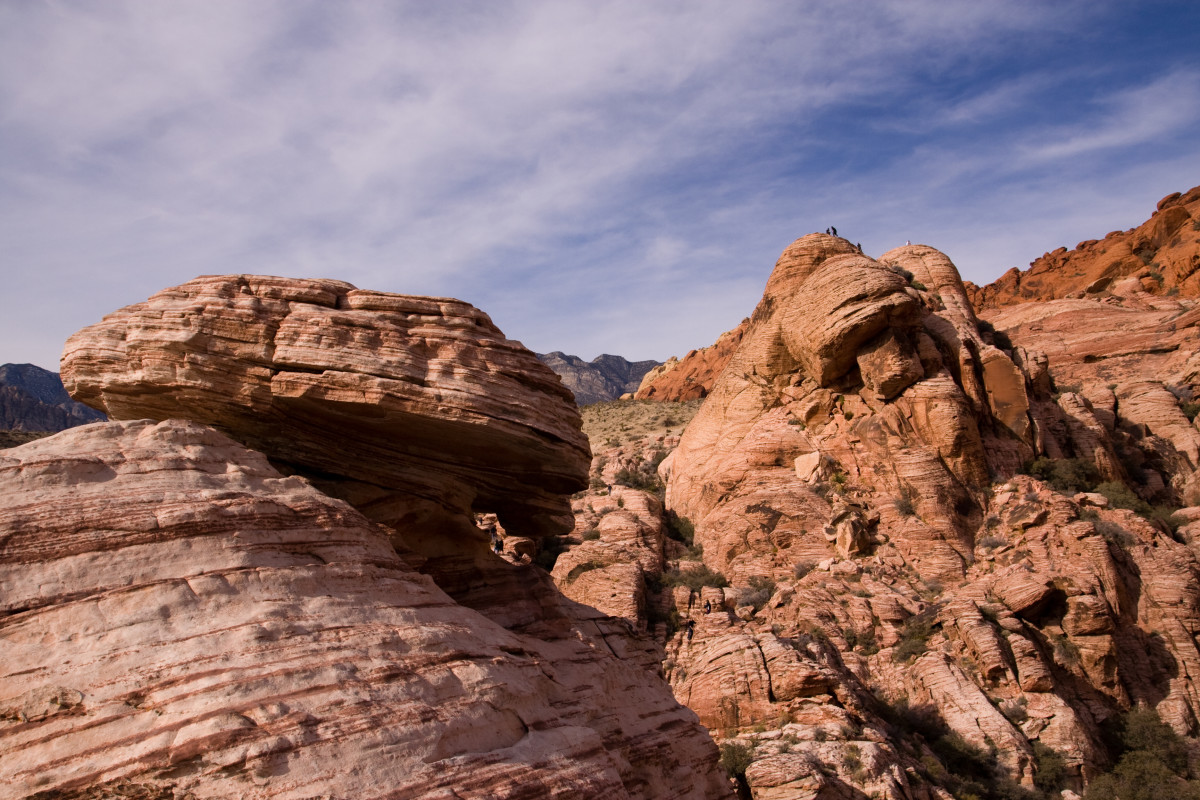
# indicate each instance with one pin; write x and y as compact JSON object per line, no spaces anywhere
{"x":858,"y":589}
{"x":605,"y":377}
{"x":1163,"y":252}
{"x":187,"y":616}
{"x":33,"y":399}
{"x":691,"y":377}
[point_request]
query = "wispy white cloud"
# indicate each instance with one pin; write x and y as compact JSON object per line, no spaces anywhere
{"x":615,"y":176}
{"x":1128,"y":117}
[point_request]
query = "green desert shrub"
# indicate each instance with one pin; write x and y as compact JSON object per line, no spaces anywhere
{"x":736,"y":758}
{"x":1121,"y":496}
{"x":914,"y":635}
{"x":1051,"y":768}
{"x":694,"y":578}
{"x":1065,"y":474}
{"x":1152,"y":762}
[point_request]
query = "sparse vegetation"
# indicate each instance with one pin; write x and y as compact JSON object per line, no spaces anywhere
{"x":1064,"y":474}
{"x":802,"y":568}
{"x":759,"y":592}
{"x":914,"y":635}
{"x":736,"y":758}
{"x":905,"y":502}
{"x":1065,"y":651}
{"x":991,"y":542}
{"x":864,"y":641}
{"x":617,"y":422}
{"x":695,"y":578}
{"x":1152,"y":762}
{"x":966,"y":770}
{"x":1051,"y":768}
{"x":640,"y":478}
{"x":1121,"y":496}
{"x":1014,"y":710}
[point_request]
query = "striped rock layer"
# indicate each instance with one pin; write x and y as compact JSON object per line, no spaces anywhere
{"x":178,"y":618}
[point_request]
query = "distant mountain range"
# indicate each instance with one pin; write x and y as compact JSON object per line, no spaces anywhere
{"x":33,"y":399}
{"x":603,"y":378}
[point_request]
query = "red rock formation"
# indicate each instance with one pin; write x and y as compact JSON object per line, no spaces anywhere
{"x":852,"y":474}
{"x":180,"y":618}
{"x":1163,"y":253}
{"x":415,"y":395}
{"x":1128,"y":363}
{"x":692,"y":376}
{"x":183,"y":619}
{"x":843,"y":359}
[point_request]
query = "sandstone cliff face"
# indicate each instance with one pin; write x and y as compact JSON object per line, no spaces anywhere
{"x":183,"y":618}
{"x":605,"y":377}
{"x":1163,"y":253}
{"x":691,"y":377}
{"x":898,"y":595}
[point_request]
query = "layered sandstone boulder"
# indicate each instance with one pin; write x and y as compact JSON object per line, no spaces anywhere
{"x":181,"y":619}
{"x":376,"y":395}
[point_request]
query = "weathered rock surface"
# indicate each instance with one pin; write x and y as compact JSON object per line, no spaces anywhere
{"x":372,"y":393}
{"x":33,"y":399}
{"x":883,"y":384}
{"x":1162,"y":254}
{"x":180,"y":619}
{"x":897,"y":593}
{"x":605,"y":377}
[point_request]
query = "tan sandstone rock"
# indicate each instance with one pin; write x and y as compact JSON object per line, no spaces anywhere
{"x":373,"y":393}
{"x":180,"y":617}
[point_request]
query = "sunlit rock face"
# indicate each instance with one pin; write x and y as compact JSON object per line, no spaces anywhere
{"x":384,"y":398}
{"x":1162,"y":256}
{"x":873,"y":369}
{"x":268,"y":580}
{"x":180,"y":617}
{"x":893,"y":578}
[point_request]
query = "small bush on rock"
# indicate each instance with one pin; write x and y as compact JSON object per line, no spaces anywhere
{"x":695,"y":578}
{"x":1064,"y":474}
{"x":1121,"y":496}
{"x":736,"y":758}
{"x":914,"y":635}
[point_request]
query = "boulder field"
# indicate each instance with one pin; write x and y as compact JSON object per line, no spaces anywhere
{"x":264,"y":577}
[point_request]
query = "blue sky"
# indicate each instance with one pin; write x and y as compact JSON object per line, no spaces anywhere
{"x":597,"y":176}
